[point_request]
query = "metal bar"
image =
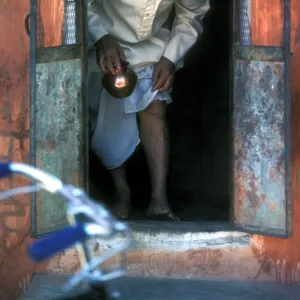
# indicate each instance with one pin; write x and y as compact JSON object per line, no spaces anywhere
{"x":242,"y":22}
{"x":52,"y":54}
{"x":26,"y":24}
{"x":84,"y":100}
{"x":79,"y":20}
{"x":287,"y":112}
{"x":245,"y":37}
{"x":33,"y":37}
{"x":273,"y":232}
{"x":260,"y":53}
{"x":235,"y":20}
{"x":233,"y":37}
{"x":70,"y":30}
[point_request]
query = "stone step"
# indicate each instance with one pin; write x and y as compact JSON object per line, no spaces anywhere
{"x":191,"y":250}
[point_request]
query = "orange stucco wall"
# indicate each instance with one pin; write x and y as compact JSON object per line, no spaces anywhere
{"x":283,"y":255}
{"x":15,"y":268}
{"x":14,"y":144}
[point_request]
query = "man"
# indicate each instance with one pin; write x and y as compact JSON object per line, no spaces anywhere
{"x":136,"y":31}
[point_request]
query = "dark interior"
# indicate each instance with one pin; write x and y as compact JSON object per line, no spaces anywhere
{"x":199,"y":125}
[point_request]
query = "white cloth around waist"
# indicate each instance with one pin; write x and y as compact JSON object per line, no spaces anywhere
{"x":116,"y":133}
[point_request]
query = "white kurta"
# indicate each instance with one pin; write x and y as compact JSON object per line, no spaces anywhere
{"x":139,"y":27}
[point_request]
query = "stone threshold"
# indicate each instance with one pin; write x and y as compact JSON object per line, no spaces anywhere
{"x":180,"y":236}
{"x":208,"y":250}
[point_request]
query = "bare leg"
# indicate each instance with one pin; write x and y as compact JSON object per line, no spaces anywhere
{"x":122,"y":193}
{"x":154,"y":138}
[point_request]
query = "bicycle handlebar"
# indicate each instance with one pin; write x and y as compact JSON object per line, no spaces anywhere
{"x":59,"y":241}
{"x":5,"y":170}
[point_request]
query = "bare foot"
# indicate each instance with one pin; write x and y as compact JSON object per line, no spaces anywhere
{"x":161,"y":212}
{"x":122,"y":207}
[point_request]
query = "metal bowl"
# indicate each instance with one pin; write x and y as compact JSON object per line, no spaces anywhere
{"x":120,"y":85}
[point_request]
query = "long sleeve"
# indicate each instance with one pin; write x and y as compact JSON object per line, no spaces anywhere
{"x":186,"y":27}
{"x":96,"y":29}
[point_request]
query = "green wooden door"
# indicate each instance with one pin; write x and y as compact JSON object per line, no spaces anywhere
{"x":261,"y":124}
{"x":58,"y":124}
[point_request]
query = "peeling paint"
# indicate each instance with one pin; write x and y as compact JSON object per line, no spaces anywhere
{"x":58,"y":134}
{"x":259,"y":149}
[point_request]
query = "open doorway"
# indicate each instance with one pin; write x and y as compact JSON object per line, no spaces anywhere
{"x":199,"y":119}
{"x":199,"y":126}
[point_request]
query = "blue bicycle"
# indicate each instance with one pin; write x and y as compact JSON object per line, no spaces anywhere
{"x":87,"y":219}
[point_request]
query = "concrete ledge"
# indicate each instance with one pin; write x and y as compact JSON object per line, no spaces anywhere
{"x":181,"y":236}
{"x":176,"y":250}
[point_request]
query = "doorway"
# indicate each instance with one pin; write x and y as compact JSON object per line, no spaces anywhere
{"x":199,"y":127}
{"x":202,"y":119}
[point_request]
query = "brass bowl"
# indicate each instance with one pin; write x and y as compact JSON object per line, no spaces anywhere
{"x":120,"y":85}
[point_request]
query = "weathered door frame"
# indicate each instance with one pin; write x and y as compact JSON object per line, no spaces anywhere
{"x":53,"y":55}
{"x":262,"y":54}
{"x":238,"y":52}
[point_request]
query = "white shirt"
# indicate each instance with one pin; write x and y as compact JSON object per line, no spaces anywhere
{"x":138,"y":25}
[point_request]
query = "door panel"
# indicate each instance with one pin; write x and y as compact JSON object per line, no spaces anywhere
{"x":57,"y":134}
{"x":58,"y":115}
{"x":261,"y":128}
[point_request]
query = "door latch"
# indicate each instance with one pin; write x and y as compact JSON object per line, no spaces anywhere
{"x":26,"y":24}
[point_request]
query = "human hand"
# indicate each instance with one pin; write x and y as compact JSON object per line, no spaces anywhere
{"x":109,"y":54}
{"x":163,"y":75}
